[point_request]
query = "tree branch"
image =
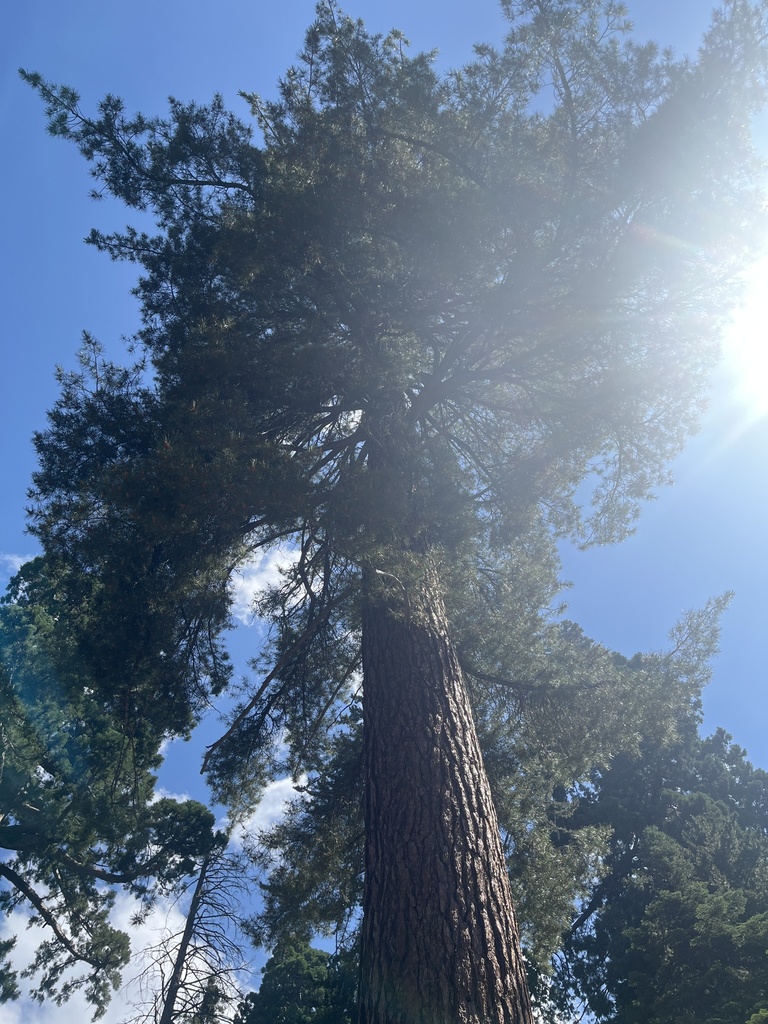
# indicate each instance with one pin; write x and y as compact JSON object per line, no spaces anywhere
{"x":292,"y":651}
{"x":49,"y":917}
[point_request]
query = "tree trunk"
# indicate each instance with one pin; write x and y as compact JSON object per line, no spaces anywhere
{"x":439,"y":936}
{"x":176,"y":981}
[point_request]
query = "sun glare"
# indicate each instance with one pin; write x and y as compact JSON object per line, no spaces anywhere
{"x":746,"y":345}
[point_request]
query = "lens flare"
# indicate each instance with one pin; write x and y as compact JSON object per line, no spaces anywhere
{"x":746,"y":345}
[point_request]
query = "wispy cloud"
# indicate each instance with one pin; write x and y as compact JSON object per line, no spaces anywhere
{"x":253,"y":578}
{"x":161,"y":793}
{"x":269,"y":810}
{"x":10,"y":564}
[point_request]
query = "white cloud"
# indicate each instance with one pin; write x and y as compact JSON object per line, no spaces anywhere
{"x":253,"y":578}
{"x":11,"y":565}
{"x":166,"y":744}
{"x":161,"y":793}
{"x":270,"y":809}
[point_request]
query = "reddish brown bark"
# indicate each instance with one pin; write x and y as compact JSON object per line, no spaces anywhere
{"x":439,"y":937}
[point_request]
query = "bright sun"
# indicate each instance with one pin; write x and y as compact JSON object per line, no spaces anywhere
{"x":746,"y":345}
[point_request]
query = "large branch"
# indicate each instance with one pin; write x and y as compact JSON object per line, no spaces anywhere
{"x":26,"y":841}
{"x":48,"y":916}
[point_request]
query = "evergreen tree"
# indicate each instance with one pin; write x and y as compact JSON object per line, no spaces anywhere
{"x":401,"y":333}
{"x":676,"y":929}
{"x":558,"y":713}
{"x":299,"y":985}
{"x":78,"y":814}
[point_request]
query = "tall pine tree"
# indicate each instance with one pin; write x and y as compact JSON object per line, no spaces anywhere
{"x":403,"y":325}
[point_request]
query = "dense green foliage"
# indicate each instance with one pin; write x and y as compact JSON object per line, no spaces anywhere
{"x":302,"y":985}
{"x":676,"y":930}
{"x":78,"y":814}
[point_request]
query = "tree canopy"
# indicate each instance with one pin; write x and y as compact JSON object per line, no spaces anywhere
{"x":461,"y":259}
{"x":301,"y":985}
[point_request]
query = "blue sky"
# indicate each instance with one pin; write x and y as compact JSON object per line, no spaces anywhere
{"x":705,"y":535}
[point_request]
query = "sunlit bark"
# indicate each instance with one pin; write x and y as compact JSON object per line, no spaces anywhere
{"x":439,"y":939}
